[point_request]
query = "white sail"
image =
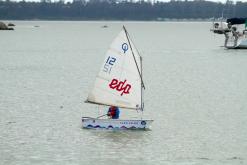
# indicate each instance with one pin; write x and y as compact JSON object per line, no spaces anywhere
{"x":119,"y":80}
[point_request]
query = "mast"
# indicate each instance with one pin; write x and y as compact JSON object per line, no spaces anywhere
{"x":142,"y":100}
{"x":139,"y":69}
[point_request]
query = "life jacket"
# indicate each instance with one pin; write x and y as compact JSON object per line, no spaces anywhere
{"x":114,"y":112}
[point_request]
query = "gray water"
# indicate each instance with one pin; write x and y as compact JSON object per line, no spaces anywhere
{"x":195,"y":91}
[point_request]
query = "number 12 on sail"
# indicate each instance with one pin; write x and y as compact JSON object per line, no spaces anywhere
{"x":109,"y":64}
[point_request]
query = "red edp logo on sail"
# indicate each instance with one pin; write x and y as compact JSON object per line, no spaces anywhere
{"x":120,"y":86}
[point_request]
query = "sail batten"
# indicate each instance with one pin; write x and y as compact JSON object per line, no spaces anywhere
{"x":119,"y":81}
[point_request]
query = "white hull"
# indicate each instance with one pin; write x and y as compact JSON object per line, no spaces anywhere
{"x":88,"y":122}
{"x":241,"y":44}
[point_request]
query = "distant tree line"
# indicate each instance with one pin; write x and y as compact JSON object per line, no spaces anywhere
{"x":120,"y":10}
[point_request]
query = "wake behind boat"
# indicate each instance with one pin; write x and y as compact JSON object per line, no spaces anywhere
{"x":119,"y":83}
{"x":235,"y":35}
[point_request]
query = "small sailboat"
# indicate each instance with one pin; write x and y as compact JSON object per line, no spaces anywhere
{"x":119,"y":83}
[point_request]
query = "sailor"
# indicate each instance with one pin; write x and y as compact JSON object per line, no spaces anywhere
{"x":235,"y":33}
{"x":113,"y":112}
{"x":229,"y":25}
{"x":226,"y":39}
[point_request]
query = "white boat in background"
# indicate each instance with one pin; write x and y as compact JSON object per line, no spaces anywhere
{"x":119,"y":83}
{"x":235,"y":35}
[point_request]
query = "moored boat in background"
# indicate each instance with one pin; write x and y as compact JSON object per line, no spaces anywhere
{"x":234,"y":31}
